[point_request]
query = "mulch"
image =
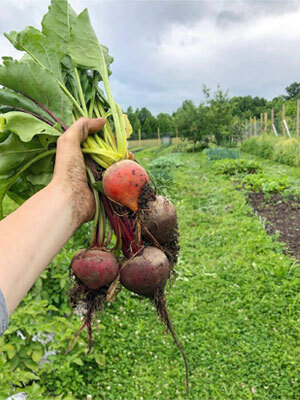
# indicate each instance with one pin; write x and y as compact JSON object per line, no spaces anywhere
{"x":281,"y":216}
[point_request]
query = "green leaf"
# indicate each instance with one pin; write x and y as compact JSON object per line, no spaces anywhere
{"x":30,"y":364}
{"x":84,"y":46}
{"x":16,"y":100}
{"x":77,"y":361}
{"x":15,"y":154}
{"x":26,"y":126}
{"x":40,"y":47}
{"x":37,"y":355}
{"x":39,"y":84}
{"x":56,"y":23}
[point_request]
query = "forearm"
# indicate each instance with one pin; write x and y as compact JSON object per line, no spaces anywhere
{"x":30,"y":238}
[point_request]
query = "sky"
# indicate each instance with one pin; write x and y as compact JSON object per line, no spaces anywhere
{"x":166,"y":50}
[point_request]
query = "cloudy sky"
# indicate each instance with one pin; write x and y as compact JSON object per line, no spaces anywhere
{"x":165,"y":50}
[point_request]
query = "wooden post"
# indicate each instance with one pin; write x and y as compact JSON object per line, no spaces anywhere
{"x":266,"y":122}
{"x":255,"y":127}
{"x":272,"y":117}
{"x":261,"y":123}
{"x":298,"y":114}
{"x":283,"y":118}
{"x":177,"y":137}
{"x":140,"y":138}
{"x":250,"y":128}
{"x":158,"y":137}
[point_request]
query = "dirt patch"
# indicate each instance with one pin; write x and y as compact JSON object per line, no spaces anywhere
{"x":281,"y":215}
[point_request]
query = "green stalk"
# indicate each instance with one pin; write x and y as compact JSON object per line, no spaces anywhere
{"x":122,"y":138}
{"x":101,"y":226}
{"x":109,"y":137}
{"x":80,"y":91}
{"x":105,"y":129}
{"x":118,"y":130}
{"x":92,"y":103}
{"x":74,"y":101}
{"x":93,"y":236}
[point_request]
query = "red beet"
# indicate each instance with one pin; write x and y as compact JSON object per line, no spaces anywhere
{"x":94,"y":267}
{"x":161,"y":220}
{"x":146,"y":272}
{"x":123,"y":183}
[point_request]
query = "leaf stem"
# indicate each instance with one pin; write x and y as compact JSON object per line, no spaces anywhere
{"x":74,"y":101}
{"x":80,"y":91}
{"x":93,"y":236}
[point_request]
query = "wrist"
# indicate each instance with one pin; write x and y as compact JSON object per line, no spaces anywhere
{"x":76,"y":197}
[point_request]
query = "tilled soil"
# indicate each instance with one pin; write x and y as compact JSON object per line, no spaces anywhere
{"x":281,"y":215}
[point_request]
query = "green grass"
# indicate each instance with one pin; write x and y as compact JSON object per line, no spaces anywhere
{"x":234,"y":306}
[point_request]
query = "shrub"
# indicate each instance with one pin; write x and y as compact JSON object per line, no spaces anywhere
{"x":280,"y":149}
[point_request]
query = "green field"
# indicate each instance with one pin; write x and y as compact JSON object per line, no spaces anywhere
{"x":234,"y":307}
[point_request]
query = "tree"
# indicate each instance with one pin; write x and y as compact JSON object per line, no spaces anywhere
{"x":192,"y":121}
{"x":165,"y":123}
{"x":220,"y":113}
{"x":293,"y":91}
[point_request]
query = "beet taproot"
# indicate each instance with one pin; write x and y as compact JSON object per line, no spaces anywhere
{"x":146,"y":272}
{"x":95,"y":267}
{"x":123,"y":183}
{"x":160,"y":219}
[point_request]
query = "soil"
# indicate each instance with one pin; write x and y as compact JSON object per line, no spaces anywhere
{"x":282,"y":216}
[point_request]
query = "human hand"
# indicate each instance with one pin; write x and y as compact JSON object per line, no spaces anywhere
{"x":69,"y":170}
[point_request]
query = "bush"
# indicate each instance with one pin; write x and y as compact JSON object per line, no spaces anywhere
{"x":197,"y":148}
{"x":280,"y":149}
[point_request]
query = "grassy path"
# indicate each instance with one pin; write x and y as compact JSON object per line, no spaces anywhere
{"x":237,"y":296}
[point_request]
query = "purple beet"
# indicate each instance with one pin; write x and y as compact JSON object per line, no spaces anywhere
{"x":161,"y":220}
{"x":95,"y":267}
{"x":146,"y":272}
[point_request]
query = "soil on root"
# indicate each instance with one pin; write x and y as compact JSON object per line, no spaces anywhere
{"x":281,"y":215}
{"x":88,"y":302}
{"x":147,"y":194}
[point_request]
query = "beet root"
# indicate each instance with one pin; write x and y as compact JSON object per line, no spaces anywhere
{"x":95,"y":267}
{"x":145,"y":272}
{"x":123,"y":183}
{"x":160,"y":220}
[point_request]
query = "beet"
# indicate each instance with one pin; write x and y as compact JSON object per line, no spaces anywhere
{"x":160,"y":220}
{"x":145,"y":272}
{"x":95,"y":267}
{"x":123,"y":182}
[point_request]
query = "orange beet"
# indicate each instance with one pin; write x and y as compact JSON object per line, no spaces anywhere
{"x":123,"y":183}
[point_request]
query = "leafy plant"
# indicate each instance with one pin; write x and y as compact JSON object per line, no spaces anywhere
{"x":262,"y":183}
{"x":234,"y":167}
{"x":52,"y":85}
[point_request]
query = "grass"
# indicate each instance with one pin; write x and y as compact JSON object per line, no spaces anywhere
{"x":234,"y":306}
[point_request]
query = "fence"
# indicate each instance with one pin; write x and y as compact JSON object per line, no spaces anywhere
{"x":160,"y":140}
{"x":269,"y":123}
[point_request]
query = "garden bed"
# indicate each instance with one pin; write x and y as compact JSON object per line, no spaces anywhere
{"x":282,"y":216}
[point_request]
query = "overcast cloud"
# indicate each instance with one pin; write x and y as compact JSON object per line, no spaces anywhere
{"x":166,"y":50}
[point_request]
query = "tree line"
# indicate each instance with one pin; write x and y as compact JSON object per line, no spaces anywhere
{"x":217,"y":115}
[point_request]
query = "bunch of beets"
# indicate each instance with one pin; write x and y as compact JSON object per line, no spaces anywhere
{"x":145,"y":229}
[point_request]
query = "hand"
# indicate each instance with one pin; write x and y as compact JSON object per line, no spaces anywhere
{"x":70,"y":172}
